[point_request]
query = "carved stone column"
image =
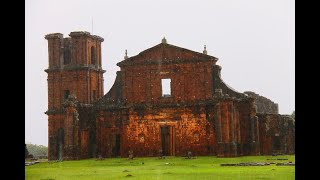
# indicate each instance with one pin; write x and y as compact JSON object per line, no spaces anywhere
{"x":254,"y":130}
{"x":233,"y":129}
{"x":71,"y":129}
{"x":99,"y":126}
{"x":218,"y":133}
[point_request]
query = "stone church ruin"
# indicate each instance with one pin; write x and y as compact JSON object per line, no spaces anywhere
{"x":166,"y":99}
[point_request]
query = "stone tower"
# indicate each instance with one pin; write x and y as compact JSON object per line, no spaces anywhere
{"x":75,"y":76}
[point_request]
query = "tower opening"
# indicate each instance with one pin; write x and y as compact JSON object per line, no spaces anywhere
{"x":93,"y":55}
{"x":67,"y":56}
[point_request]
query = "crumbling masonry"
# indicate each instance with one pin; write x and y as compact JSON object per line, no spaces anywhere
{"x":200,"y":113}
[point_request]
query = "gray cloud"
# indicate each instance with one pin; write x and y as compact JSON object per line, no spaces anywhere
{"x":254,"y":41}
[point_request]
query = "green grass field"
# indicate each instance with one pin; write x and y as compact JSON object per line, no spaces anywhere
{"x":204,"y":167}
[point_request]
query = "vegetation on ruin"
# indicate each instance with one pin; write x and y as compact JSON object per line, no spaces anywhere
{"x":204,"y":167}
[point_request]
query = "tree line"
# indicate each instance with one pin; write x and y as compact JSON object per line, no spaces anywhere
{"x":37,"y":150}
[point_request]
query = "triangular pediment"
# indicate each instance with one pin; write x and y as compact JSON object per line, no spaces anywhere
{"x":166,"y":53}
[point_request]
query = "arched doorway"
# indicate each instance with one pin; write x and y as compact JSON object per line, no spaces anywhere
{"x":276,"y":143}
{"x":91,"y":144}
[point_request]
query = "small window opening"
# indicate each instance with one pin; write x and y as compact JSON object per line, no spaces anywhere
{"x":67,"y":56}
{"x":166,"y":87}
{"x":93,"y":55}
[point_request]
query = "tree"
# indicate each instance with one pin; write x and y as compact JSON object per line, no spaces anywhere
{"x":37,"y":150}
{"x":26,"y":152}
{"x":293,"y":115}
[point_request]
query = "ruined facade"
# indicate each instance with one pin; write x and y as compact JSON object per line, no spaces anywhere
{"x":165,"y":98}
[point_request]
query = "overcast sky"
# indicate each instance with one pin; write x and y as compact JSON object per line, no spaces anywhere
{"x":253,"y":39}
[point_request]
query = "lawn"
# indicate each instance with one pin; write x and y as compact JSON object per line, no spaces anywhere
{"x":203,"y":167}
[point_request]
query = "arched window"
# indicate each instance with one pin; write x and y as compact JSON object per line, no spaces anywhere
{"x":93,"y":55}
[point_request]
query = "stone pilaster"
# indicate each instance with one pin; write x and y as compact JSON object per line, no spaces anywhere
{"x":233,"y":149}
{"x":220,"y":144}
{"x":71,"y":136}
{"x":254,"y":130}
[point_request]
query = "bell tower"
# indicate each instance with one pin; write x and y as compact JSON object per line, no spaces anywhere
{"x":74,"y":69}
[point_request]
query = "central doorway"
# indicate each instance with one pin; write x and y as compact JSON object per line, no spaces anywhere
{"x":167,"y":140}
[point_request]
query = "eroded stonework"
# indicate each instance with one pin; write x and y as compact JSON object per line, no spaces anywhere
{"x":200,"y":114}
{"x":264,"y":105}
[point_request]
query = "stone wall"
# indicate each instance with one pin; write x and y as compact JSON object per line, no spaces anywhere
{"x":190,"y":73}
{"x":264,"y":105}
{"x":190,"y":131}
{"x":220,"y":128}
{"x":277,"y":134}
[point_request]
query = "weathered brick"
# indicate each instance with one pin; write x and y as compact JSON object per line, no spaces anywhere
{"x":203,"y":115}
